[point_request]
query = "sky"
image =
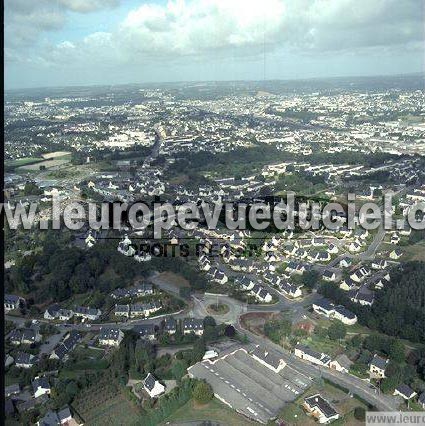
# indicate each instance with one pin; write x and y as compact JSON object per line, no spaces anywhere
{"x":92,"y":42}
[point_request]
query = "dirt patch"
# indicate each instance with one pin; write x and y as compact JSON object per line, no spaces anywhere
{"x":198,"y":406}
{"x":254,"y":321}
{"x":174,"y":279}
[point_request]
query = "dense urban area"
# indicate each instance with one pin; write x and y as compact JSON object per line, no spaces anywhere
{"x":230,"y":327}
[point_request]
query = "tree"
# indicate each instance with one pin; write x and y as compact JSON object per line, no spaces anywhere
{"x":360,"y":414}
{"x":337,"y":330}
{"x":310,"y":278}
{"x":209,"y":321}
{"x":198,"y":351}
{"x":179,"y":369}
{"x":397,"y":351}
{"x":203,"y":392}
{"x":229,"y":331}
{"x":389,"y":384}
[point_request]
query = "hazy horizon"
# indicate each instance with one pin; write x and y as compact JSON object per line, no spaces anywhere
{"x":281,"y":80}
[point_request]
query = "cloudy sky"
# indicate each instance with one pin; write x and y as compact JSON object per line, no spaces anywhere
{"x":80,"y":42}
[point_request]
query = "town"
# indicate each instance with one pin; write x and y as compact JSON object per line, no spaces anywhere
{"x":235,"y":327}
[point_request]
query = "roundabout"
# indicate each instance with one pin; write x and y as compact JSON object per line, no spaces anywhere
{"x":218,"y":309}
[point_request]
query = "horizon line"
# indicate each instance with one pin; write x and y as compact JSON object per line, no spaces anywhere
{"x":76,"y":86}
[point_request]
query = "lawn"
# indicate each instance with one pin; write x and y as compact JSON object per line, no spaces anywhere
{"x":323,"y":344}
{"x":293,"y":413}
{"x":213,"y":411}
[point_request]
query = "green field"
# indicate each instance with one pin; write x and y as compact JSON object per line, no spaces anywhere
{"x":87,"y":361}
{"x":22,"y":161}
{"x":214,"y":411}
{"x":105,"y":404}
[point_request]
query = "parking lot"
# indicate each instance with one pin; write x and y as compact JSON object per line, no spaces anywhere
{"x":248,"y":386}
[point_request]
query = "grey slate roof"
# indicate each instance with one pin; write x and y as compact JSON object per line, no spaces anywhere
{"x":193,"y":324}
{"x":109,"y":333}
{"x":145,"y":329}
{"x":379,"y":362}
{"x":149,"y":382}
{"x":321,"y":403}
{"x":40,"y":382}
{"x":405,"y":390}
{"x":266,"y":356}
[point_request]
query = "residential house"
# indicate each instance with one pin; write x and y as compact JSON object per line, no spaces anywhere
{"x":25,"y":360}
{"x":152,"y":386}
{"x":295,"y":268}
{"x":323,"y":307}
{"x":12,"y":302}
{"x":40,"y":386}
{"x":405,"y":392}
{"x":61,"y":417}
{"x":261,"y":294}
{"x":110,"y":336}
{"x":329,"y":276}
{"x":145,"y":331}
{"x":62,"y":350}
{"x":318,"y":407}
{"x":322,"y":256}
{"x":122,"y":310}
{"x":193,"y":325}
{"x":290,"y":290}
{"x":87,"y":313}
{"x":362,"y":296}
{"x":268,"y":359}
{"x":26,"y":336}
{"x":304,"y":352}
{"x":345,"y":262}
{"x":360,"y":275}
{"x":396,"y":254}
{"x":355,"y":246}
{"x":328,"y":309}
{"x":169,"y":325}
{"x":144,"y":309}
{"x":220,"y":277}
{"x":379,"y":264}
{"x":341,"y":363}
{"x":378,"y":366}
{"x":344,"y":315}
{"x":244,"y":283}
{"x":348,"y":284}
{"x":56,"y":312}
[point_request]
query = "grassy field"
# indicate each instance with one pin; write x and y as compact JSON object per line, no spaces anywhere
{"x":176,"y":280}
{"x":413,"y":252}
{"x":214,"y":411}
{"x":87,"y":361}
{"x":105,"y":404}
{"x":293,"y":414}
{"x":46,"y":163}
{"x":323,"y":344}
{"x":56,"y":154}
{"x":22,"y":161}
